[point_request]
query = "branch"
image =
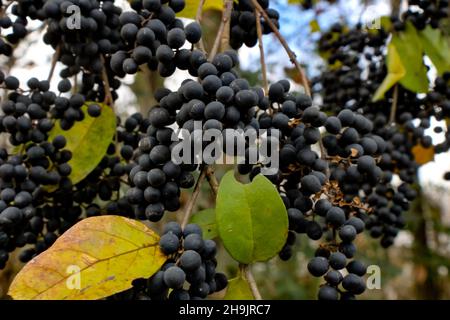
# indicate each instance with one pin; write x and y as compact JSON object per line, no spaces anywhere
{"x":75,"y":84}
{"x":261,"y":51}
{"x":107,"y":88}
{"x":3,"y":10}
{"x":248,"y":275}
{"x":198,"y":18}
{"x":210,"y":176}
{"x":286,"y":47}
{"x":193,"y":198}
{"x":394,"y":105}
{"x":54,"y":61}
{"x":226,"y":15}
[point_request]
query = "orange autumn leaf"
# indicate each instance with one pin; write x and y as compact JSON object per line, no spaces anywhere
{"x":423,"y":155}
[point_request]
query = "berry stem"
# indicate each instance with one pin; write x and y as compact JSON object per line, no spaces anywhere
{"x":248,"y":275}
{"x":394,"y":106}
{"x":228,"y":6}
{"x":211,"y":177}
{"x":75,"y":84}
{"x":108,"y":97}
{"x":261,"y":51}
{"x":198,"y":19}
{"x":54,"y":61}
{"x":4,"y":9}
{"x":283,"y":42}
{"x":193,"y":198}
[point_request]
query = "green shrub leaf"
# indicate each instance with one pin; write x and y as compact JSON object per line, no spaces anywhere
{"x":206,"y":219}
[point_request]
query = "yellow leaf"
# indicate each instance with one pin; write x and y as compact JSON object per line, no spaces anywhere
{"x":396,"y":71}
{"x":88,"y":140}
{"x":423,"y":155}
{"x":190,"y":10}
{"x":94,"y":259}
{"x":314,"y":26}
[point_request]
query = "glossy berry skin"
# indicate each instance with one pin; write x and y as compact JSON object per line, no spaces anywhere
{"x":318,"y":266}
{"x":174,"y":277}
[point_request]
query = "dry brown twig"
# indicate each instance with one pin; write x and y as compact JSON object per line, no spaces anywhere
{"x":226,"y":15}
{"x":193,"y":199}
{"x":108,"y":96}
{"x":55,"y":59}
{"x":261,"y":51}
{"x":394,"y":106}
{"x":285,"y":45}
{"x":198,"y":19}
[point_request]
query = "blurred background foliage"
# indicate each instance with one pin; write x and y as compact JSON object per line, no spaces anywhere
{"x":416,"y":267}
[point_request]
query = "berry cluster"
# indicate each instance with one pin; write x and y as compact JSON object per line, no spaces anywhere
{"x":17,"y":25}
{"x":336,"y":285}
{"x":363,"y":67}
{"x":321,"y":190}
{"x":220,"y":100}
{"x":57,"y":211}
{"x":82,"y":41}
{"x":430,"y":12}
{"x":189,"y":274}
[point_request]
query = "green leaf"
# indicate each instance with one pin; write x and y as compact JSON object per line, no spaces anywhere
{"x":88,"y":140}
{"x":396,"y":71}
{"x":190,"y":10}
{"x":251,"y":219}
{"x":410,"y":50}
{"x":206,"y":219}
{"x":437,"y":48}
{"x":96,"y":258}
{"x":238,"y":289}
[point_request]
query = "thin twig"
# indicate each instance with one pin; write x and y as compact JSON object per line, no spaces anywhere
{"x":286,"y":47}
{"x":198,"y":19}
{"x":261,"y":51}
{"x":323,"y":153}
{"x":193,"y":198}
{"x":225,"y":40}
{"x":3,"y":11}
{"x":108,"y":96}
{"x":75,"y":84}
{"x":248,"y":275}
{"x":211,"y":177}
{"x":394,"y":105}
{"x":226,"y":15}
{"x":54,"y":61}
{"x":198,"y":16}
